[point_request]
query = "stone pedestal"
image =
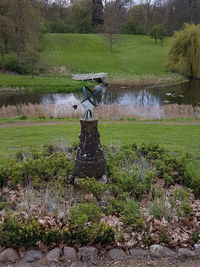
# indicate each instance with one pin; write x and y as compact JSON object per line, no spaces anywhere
{"x":90,"y":159}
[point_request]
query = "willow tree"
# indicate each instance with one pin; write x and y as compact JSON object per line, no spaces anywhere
{"x":184,"y":54}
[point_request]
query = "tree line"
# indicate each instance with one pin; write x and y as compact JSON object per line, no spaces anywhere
{"x":22,"y":22}
{"x":20,"y":29}
{"x":129,"y":16}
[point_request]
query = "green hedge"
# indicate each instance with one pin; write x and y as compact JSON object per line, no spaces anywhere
{"x":27,"y":233}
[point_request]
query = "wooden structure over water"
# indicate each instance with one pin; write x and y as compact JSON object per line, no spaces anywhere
{"x":90,"y":76}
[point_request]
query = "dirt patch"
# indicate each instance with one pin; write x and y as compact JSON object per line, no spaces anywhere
{"x":9,"y":72}
{"x":60,"y":70}
{"x":32,"y":123}
{"x":9,"y":89}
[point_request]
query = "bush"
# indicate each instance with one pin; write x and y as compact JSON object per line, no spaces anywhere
{"x":128,"y":174}
{"x":4,"y":175}
{"x":130,"y":181}
{"x":157,"y":192}
{"x":151,"y":152}
{"x":91,"y":185}
{"x":27,"y":233}
{"x":194,"y":184}
{"x":81,"y":214}
{"x":179,"y":195}
{"x":184,"y":209}
{"x":168,"y":167}
{"x":129,"y":211}
{"x":131,"y":214}
{"x":6,"y":205}
{"x":104,"y":234}
{"x":93,"y":234}
{"x":52,"y":235}
{"x":131,"y":171}
{"x":116,"y":206}
{"x":195,"y":237}
{"x":180,"y":202}
{"x":158,"y":32}
{"x":19,"y":233}
{"x":37,"y":169}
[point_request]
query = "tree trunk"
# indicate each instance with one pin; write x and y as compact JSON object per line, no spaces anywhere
{"x":3,"y":61}
{"x":111,"y":42}
{"x":32,"y":69}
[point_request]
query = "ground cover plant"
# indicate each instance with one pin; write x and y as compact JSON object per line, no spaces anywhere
{"x":48,"y":206}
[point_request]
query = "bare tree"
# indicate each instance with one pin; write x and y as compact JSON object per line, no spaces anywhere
{"x":4,"y":22}
{"x":4,"y":31}
{"x":97,"y":13}
{"x":113,"y":20}
{"x":25,"y":26}
{"x":182,"y":11}
{"x":148,"y":10}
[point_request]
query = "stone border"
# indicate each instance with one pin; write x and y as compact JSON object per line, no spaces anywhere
{"x":89,"y":254}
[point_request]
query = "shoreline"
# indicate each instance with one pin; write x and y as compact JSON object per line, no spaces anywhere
{"x":147,"y":80}
{"x":63,"y":84}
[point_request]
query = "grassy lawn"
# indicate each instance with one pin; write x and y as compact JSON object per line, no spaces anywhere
{"x":132,"y":54}
{"x":44,"y":84}
{"x":175,"y":138}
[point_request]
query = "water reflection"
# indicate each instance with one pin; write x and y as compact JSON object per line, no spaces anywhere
{"x":185,"y":93}
{"x":60,"y":99}
{"x":141,"y":98}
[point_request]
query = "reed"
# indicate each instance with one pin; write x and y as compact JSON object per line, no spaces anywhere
{"x":181,"y":111}
{"x":145,"y":80}
{"x":108,"y":112}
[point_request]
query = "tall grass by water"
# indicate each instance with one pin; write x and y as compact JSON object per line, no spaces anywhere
{"x":145,"y":80}
{"x":110,"y":112}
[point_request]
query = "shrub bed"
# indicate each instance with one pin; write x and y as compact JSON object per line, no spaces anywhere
{"x":36,"y":168}
{"x":27,"y":233}
{"x":139,"y":178}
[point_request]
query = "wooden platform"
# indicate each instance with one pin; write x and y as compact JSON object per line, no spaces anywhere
{"x":89,"y":76}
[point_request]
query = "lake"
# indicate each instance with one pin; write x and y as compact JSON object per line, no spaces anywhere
{"x":185,"y":93}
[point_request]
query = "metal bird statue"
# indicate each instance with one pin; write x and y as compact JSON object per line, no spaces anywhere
{"x":91,"y":97}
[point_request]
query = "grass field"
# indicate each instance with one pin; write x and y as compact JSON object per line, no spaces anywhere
{"x":132,"y":56}
{"x":175,"y":138}
{"x":44,"y":84}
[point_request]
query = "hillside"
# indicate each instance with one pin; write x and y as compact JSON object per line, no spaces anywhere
{"x":132,"y":54}
{"x":135,"y":60}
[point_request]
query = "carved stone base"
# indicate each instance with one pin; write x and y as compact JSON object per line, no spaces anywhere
{"x":90,"y":159}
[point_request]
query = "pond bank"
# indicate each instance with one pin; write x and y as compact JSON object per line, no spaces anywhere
{"x":147,"y":80}
{"x":48,"y":83}
{"x":61,"y":83}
